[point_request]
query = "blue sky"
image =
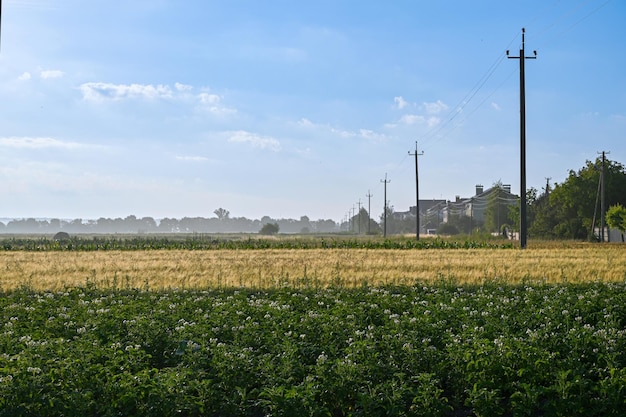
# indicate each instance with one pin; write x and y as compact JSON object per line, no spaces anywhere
{"x":173,"y":108}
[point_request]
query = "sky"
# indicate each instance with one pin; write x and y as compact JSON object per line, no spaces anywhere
{"x":282,"y":108}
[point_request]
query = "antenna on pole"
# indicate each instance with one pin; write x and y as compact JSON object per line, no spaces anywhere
{"x":385,"y":181}
{"x":417,"y":193}
{"x":522,"y":88}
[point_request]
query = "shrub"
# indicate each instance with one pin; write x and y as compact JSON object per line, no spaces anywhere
{"x":269,"y":229}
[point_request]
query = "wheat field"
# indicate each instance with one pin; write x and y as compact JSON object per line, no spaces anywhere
{"x":270,"y":268}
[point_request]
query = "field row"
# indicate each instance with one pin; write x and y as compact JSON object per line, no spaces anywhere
{"x":272,"y":268}
{"x":427,"y":350}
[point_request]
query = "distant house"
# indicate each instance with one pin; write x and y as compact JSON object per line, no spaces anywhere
{"x":431,"y":214}
{"x":474,"y":207}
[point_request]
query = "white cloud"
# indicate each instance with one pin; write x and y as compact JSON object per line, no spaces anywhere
{"x":49,"y":74}
{"x":25,"y":76}
{"x":257,"y":141}
{"x":495,"y":106}
{"x":411,"y":119}
{"x":400,"y":103}
{"x":98,"y":91}
{"x":192,"y":158}
{"x":345,"y":134}
{"x":212,"y":103}
{"x":40,"y":143}
{"x":183,"y":87}
{"x":371,"y":135}
{"x":435,"y":107}
{"x":209,"y":99}
{"x":304,"y":122}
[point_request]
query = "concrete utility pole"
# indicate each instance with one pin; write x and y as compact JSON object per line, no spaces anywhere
{"x":417,"y":194}
{"x":385,"y":181}
{"x":522,"y":99}
{"x":602,"y":198}
{"x":369,"y":211}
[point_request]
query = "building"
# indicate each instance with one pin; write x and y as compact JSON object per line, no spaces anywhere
{"x":474,"y":207}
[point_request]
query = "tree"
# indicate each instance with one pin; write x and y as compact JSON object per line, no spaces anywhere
{"x":575,"y":201}
{"x":457,"y":224}
{"x":222,"y":214}
{"x":447,"y":229}
{"x":497,"y":211}
{"x":616,"y":218}
{"x":269,"y":229}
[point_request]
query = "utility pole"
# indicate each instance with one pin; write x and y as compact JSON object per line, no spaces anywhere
{"x":548,"y":185}
{"x":369,"y":211}
{"x":353,"y":219}
{"x":522,"y":95}
{"x":385,"y":181}
{"x":417,"y":194}
{"x":359,"y":203}
{"x":602,"y":197}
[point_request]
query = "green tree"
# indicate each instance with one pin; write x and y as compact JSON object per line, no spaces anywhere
{"x":616,"y":218}
{"x":544,"y":220}
{"x":575,"y":201}
{"x":458,"y":224}
{"x":269,"y":229}
{"x":221,"y":213}
{"x":497,"y":211}
{"x":363,"y":224}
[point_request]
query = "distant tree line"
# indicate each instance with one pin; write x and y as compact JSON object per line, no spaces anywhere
{"x":223,"y":223}
{"x":569,"y":210}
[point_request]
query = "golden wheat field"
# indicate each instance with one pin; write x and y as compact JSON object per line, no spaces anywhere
{"x":160,"y":269}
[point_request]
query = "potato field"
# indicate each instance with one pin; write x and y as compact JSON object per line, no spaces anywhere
{"x":311,"y":329}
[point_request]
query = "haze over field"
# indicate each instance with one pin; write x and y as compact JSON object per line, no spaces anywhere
{"x":284,"y":109}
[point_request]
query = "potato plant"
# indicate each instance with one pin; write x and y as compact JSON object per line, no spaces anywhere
{"x":423,"y":350}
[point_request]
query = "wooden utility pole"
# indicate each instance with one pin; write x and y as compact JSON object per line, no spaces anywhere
{"x":522,"y":94}
{"x":369,"y":211}
{"x":602,"y":198}
{"x":385,"y":181}
{"x":417,"y":194}
{"x":359,"y":218}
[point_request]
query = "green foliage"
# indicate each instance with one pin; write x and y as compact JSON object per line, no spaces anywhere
{"x":269,"y":229}
{"x":423,"y":350}
{"x":447,"y":229}
{"x":616,"y":217}
{"x":497,"y":211}
{"x":460,"y":224}
{"x":574,"y":201}
{"x":206,"y":242}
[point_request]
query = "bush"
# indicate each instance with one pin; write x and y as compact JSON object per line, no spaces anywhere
{"x":269,"y":229}
{"x":447,"y":229}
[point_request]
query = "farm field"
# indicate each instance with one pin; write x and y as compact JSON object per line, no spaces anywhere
{"x":444,"y":330}
{"x":271,"y":268}
{"x":423,"y":350}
